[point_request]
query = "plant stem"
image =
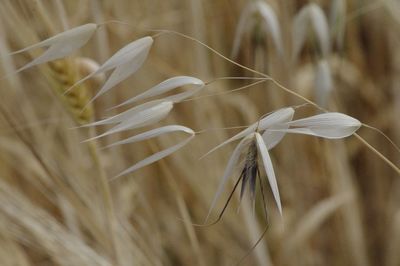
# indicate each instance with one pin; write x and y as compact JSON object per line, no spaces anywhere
{"x":380,"y":155}
{"x":107,"y":202}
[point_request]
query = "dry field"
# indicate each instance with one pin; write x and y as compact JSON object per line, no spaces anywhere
{"x":59,"y":203}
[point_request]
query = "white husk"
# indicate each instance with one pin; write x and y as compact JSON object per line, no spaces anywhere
{"x":278,"y":116}
{"x":270,"y":25}
{"x":272,"y":138}
{"x":125,"y":62}
{"x":123,"y":71}
{"x":269,"y":169}
{"x":60,"y":45}
{"x":321,"y":28}
{"x":310,"y":16}
{"x":142,"y":118}
{"x":168,"y":85}
{"x":238,"y":136}
{"x":152,"y":134}
{"x":126,"y":114}
{"x":159,"y":155}
{"x":328,"y":125}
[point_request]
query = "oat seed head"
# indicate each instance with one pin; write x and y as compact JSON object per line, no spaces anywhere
{"x":60,"y":45}
{"x":124,"y":63}
{"x":309,"y":17}
{"x":248,"y":19}
{"x":168,"y":85}
{"x":134,"y":119}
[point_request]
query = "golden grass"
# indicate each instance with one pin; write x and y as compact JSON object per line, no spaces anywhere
{"x":340,"y":201}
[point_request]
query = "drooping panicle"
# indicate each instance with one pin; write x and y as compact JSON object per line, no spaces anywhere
{"x":262,"y":136}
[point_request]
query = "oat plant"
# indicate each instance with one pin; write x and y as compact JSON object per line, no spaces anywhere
{"x":105,"y":183}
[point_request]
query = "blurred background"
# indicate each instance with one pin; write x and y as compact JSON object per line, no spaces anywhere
{"x":340,"y":200}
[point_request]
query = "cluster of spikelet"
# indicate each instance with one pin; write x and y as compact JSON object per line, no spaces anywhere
{"x":263,"y":135}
